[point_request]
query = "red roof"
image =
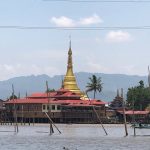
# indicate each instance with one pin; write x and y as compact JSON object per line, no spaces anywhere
{"x":131,"y":112}
{"x":67,"y":98}
{"x":59,"y":93}
{"x":40,"y":95}
{"x":30,"y":100}
{"x":63,"y":90}
{"x":55,"y":101}
{"x":97,"y":102}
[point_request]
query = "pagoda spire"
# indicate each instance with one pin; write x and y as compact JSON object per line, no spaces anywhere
{"x":70,"y":66}
{"x":117,"y":92}
{"x":69,"y":79}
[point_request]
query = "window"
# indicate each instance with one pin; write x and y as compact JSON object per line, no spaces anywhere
{"x":47,"y":107}
{"x":53,"y":107}
{"x":44,"y":107}
{"x":58,"y":107}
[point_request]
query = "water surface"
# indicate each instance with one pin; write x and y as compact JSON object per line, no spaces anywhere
{"x":73,"y":137}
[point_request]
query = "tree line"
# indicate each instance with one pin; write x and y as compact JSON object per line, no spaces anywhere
{"x":138,"y":97}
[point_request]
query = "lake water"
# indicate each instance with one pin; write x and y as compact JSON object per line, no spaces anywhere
{"x":73,"y":137}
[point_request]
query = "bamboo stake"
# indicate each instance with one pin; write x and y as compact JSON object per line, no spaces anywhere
{"x":124,"y":115}
{"x":15,"y":113}
{"x":98,"y":117}
{"x":51,"y":127}
{"x":22,"y":115}
{"x":134,"y":118}
{"x":51,"y":122}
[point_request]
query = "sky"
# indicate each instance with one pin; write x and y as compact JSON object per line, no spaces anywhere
{"x":26,"y":52}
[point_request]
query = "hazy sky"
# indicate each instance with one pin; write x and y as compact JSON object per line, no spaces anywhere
{"x":25,"y":52}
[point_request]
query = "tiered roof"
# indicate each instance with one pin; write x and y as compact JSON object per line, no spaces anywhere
{"x":62,"y":97}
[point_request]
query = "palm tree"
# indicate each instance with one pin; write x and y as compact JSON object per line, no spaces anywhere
{"x":95,"y":85}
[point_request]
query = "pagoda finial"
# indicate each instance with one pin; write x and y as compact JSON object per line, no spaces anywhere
{"x":117,"y":92}
{"x":26,"y":94}
{"x":70,"y":56}
{"x":122,"y":92}
{"x":70,"y":41}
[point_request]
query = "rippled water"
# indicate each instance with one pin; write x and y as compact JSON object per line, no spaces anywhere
{"x":73,"y":137}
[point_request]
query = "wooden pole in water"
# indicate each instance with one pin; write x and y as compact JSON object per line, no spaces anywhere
{"x":134,"y":117}
{"x":50,"y":120}
{"x":97,"y":116}
{"x":50,"y":125}
{"x":15,"y":113}
{"x":34,"y":117}
{"x":22,"y":114}
{"x":51,"y":129}
{"x":124,"y":115}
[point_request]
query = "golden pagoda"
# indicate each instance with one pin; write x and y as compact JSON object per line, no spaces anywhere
{"x":69,"y":79}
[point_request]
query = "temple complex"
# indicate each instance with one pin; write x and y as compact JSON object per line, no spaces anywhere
{"x":65,"y":105}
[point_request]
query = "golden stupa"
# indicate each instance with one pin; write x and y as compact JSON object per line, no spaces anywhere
{"x":69,"y":79}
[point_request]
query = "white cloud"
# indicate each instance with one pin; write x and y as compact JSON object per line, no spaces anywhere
{"x":64,"y":21}
{"x":95,"y":19}
{"x":118,"y":36}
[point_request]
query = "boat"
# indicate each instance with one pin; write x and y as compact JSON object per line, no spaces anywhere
{"x":141,"y":126}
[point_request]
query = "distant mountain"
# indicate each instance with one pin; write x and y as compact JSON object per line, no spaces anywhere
{"x":30,"y":84}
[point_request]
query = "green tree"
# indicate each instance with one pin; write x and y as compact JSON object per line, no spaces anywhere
{"x":95,"y":85}
{"x":138,"y":96}
{"x":50,"y":90}
{"x":13,"y":97}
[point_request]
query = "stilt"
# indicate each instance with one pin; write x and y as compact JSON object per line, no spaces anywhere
{"x":51,"y":129}
{"x":24,"y":121}
{"x":134,"y":117}
{"x":97,"y":116}
{"x":22,"y":115}
{"x":29,"y":121}
{"x":49,"y":109}
{"x":124,"y":115}
{"x":15,"y":113}
{"x":33,"y":120}
{"x":52,"y":123}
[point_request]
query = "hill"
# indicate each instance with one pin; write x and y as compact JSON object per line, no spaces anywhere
{"x":30,"y":84}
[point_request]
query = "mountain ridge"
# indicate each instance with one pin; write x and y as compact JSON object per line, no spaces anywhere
{"x":37,"y":83}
